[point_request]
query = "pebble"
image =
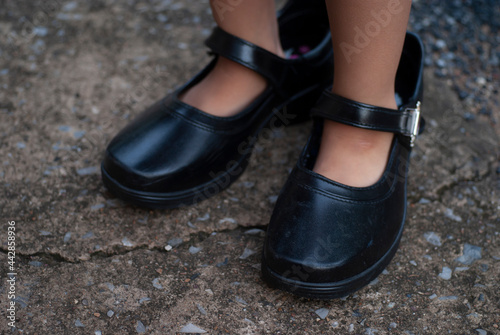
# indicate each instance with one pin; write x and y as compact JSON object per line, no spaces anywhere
{"x":450,"y":215}
{"x":97,"y":206}
{"x":204,"y":217}
{"x":190,"y":328}
{"x":241,"y":301}
{"x":434,"y":296}
{"x":450,"y":297}
{"x":110,"y":286}
{"x":194,"y":250}
{"x":335,"y":324}
{"x":272,"y":199}
{"x":226,"y":260}
{"x":201,"y":309}
{"x":110,"y":313}
{"x":445,"y":273}
{"x":126,"y":242}
{"x":175,"y":242}
{"x":140,"y":327}
{"x":433,"y":238}
{"x":248,"y":184}
{"x":393,"y":325}
{"x":322,"y":312}
{"x":35,"y":264}
{"x":168,"y":247}
{"x":255,"y":231}
{"x":144,"y":299}
{"x":370,"y":331}
{"x":87,"y":171}
{"x":470,"y":254}
{"x":413,"y":263}
{"x":461,"y":268}
{"x":481,"y":331}
{"x":88,"y":235}
{"x":156,"y":283}
{"x":228,"y":220}
{"x":67,"y":237}
{"x":79,"y":324}
{"x":45,"y":233}
{"x":97,"y":332}
{"x":247,"y":253}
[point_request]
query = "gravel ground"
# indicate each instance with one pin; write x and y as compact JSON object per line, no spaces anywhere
{"x":72,"y":73}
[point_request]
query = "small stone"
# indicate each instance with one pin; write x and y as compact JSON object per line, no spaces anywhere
{"x":393,"y":325}
{"x":335,"y":324}
{"x":226,"y":260}
{"x":391,"y":305}
{"x":248,"y":321}
{"x":412,"y":262}
{"x":190,"y":328}
{"x":461,"y":268}
{"x":449,"y":214}
{"x":110,"y":313}
{"x":35,"y":264}
{"x":87,"y":171}
{"x":140,"y":327}
{"x":45,"y":233}
{"x":255,"y":231}
{"x":227,"y":220}
{"x":97,"y":332}
{"x":434,"y":296}
{"x":440,"y":44}
{"x":67,"y":237}
{"x":144,"y":299}
{"x":175,"y":242}
{"x":322,"y":313}
{"x":85,"y":302}
{"x":247,"y":253}
{"x":248,"y":184}
{"x":445,"y":273}
{"x":194,"y":250}
{"x":373,"y":282}
{"x":88,"y":235}
{"x":470,"y":254}
{"x":272,"y":199}
{"x":481,"y":81}
{"x":433,"y":238}
{"x":156,"y":283}
{"x":168,"y":247}
{"x":204,"y":217}
{"x":241,"y":301}
{"x":126,"y":242}
{"x":201,"y":309}
{"x":110,"y":286}
{"x":20,"y":145}
{"x":481,"y":331}
{"x":209,"y":291}
{"x":79,"y":324}
{"x":97,"y":206}
{"x":370,"y":331}
{"x":451,"y":297}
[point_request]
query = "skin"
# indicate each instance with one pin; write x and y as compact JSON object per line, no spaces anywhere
{"x":349,"y":155}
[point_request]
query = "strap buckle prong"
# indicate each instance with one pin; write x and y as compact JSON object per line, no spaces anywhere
{"x":414,"y":122}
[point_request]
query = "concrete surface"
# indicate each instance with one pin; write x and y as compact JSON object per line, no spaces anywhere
{"x":72,"y":73}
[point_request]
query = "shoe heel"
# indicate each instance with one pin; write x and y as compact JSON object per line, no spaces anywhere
{"x":297,"y":110}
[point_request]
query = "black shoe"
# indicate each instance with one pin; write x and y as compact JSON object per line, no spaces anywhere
{"x":326,"y":240}
{"x":174,"y":154}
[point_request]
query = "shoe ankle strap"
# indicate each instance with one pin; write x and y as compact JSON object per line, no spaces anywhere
{"x":264,"y":62}
{"x":405,"y":121}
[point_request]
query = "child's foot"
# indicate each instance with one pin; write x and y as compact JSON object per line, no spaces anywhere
{"x":227,"y":89}
{"x":353,"y":156}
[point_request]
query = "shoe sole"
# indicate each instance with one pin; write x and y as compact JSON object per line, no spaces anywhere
{"x":294,"y":106}
{"x":332,"y":290}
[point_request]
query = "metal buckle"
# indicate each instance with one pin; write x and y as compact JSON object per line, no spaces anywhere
{"x":414,"y":122}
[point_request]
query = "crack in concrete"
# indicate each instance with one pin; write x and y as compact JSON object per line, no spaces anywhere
{"x":116,"y":250}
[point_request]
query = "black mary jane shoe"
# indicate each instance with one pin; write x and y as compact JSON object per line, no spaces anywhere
{"x":174,"y":154}
{"x":325,"y":239}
